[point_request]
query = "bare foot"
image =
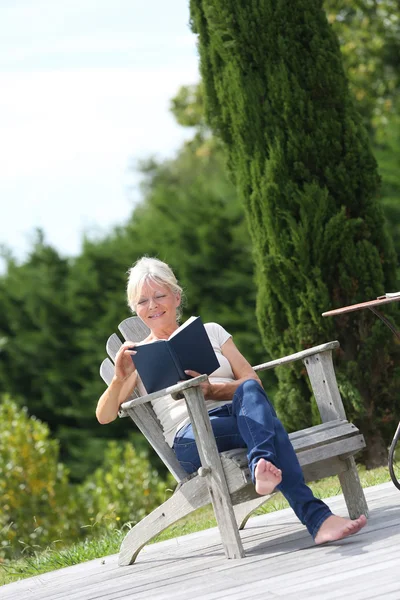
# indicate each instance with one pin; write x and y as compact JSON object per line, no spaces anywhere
{"x":337,"y":528}
{"x":267,"y":477}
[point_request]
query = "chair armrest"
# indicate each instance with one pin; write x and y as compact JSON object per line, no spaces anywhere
{"x":296,"y":356}
{"x":174,"y":390}
{"x":321,"y":372}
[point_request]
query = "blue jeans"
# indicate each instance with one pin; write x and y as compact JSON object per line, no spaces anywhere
{"x":250,"y":422}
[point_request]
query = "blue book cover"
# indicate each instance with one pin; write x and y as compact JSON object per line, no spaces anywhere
{"x":163,"y":363}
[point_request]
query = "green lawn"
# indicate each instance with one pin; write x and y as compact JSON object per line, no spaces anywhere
{"x":53,"y":558}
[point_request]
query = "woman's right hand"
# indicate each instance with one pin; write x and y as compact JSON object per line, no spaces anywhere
{"x":124,"y":365}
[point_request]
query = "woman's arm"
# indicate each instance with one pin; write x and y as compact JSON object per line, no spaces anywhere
{"x":241,"y":369}
{"x":117,"y":392}
{"x":121,"y":386}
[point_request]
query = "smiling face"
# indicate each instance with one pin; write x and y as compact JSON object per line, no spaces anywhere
{"x":156,"y":306}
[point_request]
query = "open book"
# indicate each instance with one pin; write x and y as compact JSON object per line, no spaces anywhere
{"x":163,"y":363}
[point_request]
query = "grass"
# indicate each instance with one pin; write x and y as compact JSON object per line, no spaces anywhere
{"x":52,"y":558}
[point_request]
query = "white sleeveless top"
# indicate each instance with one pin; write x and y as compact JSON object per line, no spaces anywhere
{"x":173,"y":414}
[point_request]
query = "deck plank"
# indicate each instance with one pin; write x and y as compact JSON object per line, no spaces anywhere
{"x":281,"y":562}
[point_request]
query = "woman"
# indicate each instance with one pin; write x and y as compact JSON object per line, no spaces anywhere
{"x":240,"y":412}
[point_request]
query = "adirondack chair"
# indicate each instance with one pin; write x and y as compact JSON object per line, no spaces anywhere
{"x":224,"y":479}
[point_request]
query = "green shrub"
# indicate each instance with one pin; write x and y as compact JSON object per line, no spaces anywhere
{"x":40,"y":507}
{"x":124,"y":489}
{"x":36,"y":499}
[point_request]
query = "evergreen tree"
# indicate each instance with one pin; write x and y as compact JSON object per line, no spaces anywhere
{"x":277,"y":95}
{"x":387,"y":152}
{"x":36,"y":333}
{"x":96,"y":303}
{"x":369,"y":37}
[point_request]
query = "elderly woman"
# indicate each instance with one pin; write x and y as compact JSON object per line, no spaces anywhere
{"x":240,"y":412}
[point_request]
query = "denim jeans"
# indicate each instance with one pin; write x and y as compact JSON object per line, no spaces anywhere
{"x":250,"y":422}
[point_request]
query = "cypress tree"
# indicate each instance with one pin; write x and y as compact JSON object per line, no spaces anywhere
{"x":277,"y":95}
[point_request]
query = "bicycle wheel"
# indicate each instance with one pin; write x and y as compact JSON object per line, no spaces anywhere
{"x":394,"y":459}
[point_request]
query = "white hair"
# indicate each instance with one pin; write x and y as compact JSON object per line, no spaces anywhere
{"x":150,"y":269}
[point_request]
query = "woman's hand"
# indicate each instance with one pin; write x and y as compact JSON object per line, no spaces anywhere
{"x":121,"y":386}
{"x":124,"y":365}
{"x":205,"y":386}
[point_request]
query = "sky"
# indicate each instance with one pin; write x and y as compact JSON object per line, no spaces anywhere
{"x":85,"y":92}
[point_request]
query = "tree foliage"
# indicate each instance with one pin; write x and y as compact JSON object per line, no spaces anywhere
{"x":369,"y":36}
{"x":36,"y":330}
{"x":304,"y":169}
{"x":387,"y":152}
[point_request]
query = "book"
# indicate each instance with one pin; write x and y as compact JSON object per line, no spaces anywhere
{"x":162,"y":363}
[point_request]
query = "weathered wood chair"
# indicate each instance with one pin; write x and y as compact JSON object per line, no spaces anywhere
{"x":224,"y":479}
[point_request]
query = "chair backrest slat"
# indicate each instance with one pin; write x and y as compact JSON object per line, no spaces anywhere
{"x":146,"y":420}
{"x":113,"y":345}
{"x":107,"y":370}
{"x":107,"y":373}
{"x":134,"y":330}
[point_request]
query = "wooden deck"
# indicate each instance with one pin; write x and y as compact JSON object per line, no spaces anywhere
{"x":282,"y":562}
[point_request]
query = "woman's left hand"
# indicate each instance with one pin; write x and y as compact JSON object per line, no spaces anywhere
{"x":205,"y":386}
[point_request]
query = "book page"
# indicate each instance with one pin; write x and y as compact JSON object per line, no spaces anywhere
{"x":193,"y":347}
{"x":185,"y":324}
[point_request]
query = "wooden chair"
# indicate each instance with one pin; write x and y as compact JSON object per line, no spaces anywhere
{"x":224,"y":479}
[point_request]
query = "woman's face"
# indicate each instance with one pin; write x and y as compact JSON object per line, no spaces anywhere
{"x":157,"y":305}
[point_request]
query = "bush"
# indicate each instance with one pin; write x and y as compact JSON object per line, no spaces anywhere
{"x":124,"y":489}
{"x":37,"y":501}
{"x":40,"y":506}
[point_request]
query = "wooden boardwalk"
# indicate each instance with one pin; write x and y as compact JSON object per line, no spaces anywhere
{"x":282,"y":562}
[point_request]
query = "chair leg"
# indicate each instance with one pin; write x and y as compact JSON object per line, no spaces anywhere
{"x":352,"y":490}
{"x":244,"y":510}
{"x":192,"y":495}
{"x":213,"y":472}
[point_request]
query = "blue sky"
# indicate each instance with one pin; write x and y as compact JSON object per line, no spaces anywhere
{"x":85,"y":91}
